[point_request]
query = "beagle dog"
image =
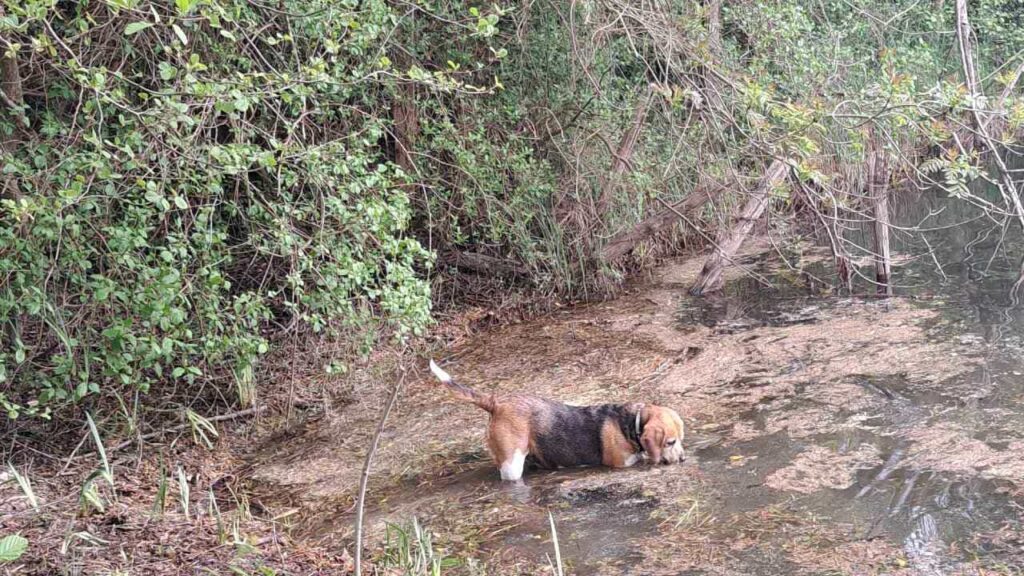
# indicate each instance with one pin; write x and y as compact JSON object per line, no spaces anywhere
{"x":530,"y":430}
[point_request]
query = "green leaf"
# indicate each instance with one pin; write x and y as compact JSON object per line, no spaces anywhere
{"x":121,"y":4}
{"x":12,"y":547}
{"x":184,"y":6}
{"x":167,"y":71}
{"x":180,"y":33}
{"x":154,"y":196}
{"x":136,"y":27}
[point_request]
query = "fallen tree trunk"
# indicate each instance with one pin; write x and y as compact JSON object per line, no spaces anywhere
{"x":484,"y":264}
{"x":624,"y":242}
{"x":729,"y":241}
{"x":878,"y":191}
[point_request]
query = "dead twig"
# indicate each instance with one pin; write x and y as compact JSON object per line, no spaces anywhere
{"x":365,"y":477}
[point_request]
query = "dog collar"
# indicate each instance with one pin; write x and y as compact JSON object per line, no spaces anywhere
{"x":638,"y":427}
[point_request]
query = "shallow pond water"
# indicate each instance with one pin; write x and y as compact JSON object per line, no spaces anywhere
{"x":946,"y":519}
{"x":829,"y":434}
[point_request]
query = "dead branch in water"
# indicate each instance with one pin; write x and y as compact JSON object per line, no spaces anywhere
{"x":878,"y":192}
{"x":710,"y":278}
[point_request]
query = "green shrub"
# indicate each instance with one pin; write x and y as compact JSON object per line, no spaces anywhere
{"x":195,"y":176}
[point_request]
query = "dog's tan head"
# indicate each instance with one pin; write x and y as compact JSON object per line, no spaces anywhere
{"x":662,"y":438}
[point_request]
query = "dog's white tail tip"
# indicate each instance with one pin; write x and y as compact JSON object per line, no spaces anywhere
{"x":441,"y":374}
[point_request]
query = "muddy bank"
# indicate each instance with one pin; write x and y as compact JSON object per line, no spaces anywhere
{"x":827,"y":435}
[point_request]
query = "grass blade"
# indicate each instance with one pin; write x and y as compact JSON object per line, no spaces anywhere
{"x":201,"y":428}
{"x":91,"y":495}
{"x":26,"y":486}
{"x":84,"y":536}
{"x":554,"y":540}
{"x":183,"y":492}
{"x":245,"y":381}
{"x":213,"y":509}
{"x":161,"y":492}
{"x":108,"y":472}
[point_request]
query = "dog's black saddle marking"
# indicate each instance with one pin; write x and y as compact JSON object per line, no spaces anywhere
{"x":574,"y":438}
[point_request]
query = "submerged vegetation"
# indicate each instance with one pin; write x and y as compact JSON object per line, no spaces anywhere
{"x":195,"y":193}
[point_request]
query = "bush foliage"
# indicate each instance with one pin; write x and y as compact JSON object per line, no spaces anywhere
{"x":186,"y":182}
{"x":194,"y":176}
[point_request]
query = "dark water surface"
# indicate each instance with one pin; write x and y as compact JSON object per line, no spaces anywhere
{"x":964,"y":267}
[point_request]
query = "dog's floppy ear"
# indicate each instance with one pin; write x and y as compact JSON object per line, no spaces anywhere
{"x":652,"y":439}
